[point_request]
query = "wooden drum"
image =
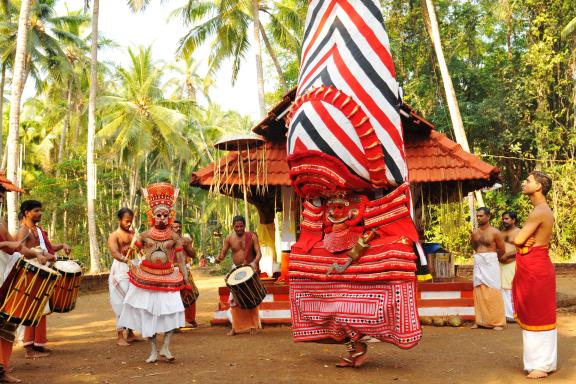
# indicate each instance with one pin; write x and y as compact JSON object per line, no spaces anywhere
{"x":189,"y":296}
{"x":67,"y":286}
{"x":246,"y":287}
{"x":28,"y":289}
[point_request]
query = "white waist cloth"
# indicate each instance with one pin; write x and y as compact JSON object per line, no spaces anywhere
{"x":487,"y":270}
{"x":151,"y":312}
{"x":118,"y":284}
{"x":540,"y":350}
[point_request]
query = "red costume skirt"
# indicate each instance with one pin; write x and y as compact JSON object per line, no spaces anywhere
{"x":335,"y":311}
{"x":534,"y":290}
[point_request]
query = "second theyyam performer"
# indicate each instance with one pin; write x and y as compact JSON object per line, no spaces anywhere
{"x":153,"y":304}
{"x":352,"y":271}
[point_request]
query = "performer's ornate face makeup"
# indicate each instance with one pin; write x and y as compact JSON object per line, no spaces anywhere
{"x":161,"y":216}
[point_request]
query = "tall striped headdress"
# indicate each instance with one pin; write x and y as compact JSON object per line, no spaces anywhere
{"x":344,"y":127}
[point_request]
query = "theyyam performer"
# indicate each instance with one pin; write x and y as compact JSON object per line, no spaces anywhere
{"x":352,"y":271}
{"x":153,"y":304}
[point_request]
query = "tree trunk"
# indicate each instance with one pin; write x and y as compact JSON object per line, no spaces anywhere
{"x":258,"y":50}
{"x":18,"y":80}
{"x":431,"y":23}
{"x":65,"y":125}
{"x":91,"y":182}
{"x":274,"y":58}
{"x":2,"y":82}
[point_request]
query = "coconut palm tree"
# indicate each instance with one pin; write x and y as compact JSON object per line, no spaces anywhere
{"x":139,"y":123}
{"x":226,"y":24}
{"x":90,"y":165}
{"x":18,"y":81}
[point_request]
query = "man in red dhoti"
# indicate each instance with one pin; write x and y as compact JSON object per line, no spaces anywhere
{"x":245,"y":250}
{"x":353,"y":271}
{"x":534,"y":285}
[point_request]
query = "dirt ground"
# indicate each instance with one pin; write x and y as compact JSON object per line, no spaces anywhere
{"x":86,"y":353}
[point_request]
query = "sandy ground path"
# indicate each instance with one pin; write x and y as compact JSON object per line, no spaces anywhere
{"x":86,"y":353}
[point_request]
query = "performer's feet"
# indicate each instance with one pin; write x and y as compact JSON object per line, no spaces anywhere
{"x":537,"y":374}
{"x":193,"y":324}
{"x":232,"y":332}
{"x":345,"y":362}
{"x":152,"y":358}
{"x":122,"y":343}
{"x":475,"y":326}
{"x":6,"y":378}
{"x":32,"y":354}
{"x":498,"y":328}
{"x":164,"y":352}
{"x":361,"y":355}
{"x":132,"y":338}
{"x":43,"y":349}
{"x":253,"y":331}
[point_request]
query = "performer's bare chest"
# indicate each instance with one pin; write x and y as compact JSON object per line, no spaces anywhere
{"x":157,"y":251}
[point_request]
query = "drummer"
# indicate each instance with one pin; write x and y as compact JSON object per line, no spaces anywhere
{"x":35,"y":237}
{"x":245,"y":251}
{"x":9,"y":254}
{"x":190,"y":312}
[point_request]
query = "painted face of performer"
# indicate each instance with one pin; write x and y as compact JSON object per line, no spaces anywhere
{"x":177,"y":227}
{"x":126,"y":222}
{"x":507,"y":221}
{"x":239,"y":228}
{"x":161,"y":216}
{"x":35,"y":215}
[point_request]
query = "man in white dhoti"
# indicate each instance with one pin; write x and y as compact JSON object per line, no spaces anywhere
{"x":153,"y":303}
{"x":508,"y":262}
{"x":119,"y":243}
{"x":488,"y":245}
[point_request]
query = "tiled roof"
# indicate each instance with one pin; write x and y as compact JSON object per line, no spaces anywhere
{"x":276,"y":168}
{"x":7,"y":184}
{"x":432,"y":157}
{"x":437,"y":158}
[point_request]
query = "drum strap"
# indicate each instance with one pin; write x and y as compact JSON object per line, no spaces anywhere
{"x":44,"y":242}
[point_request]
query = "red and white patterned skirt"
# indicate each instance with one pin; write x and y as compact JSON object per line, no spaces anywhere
{"x":336,"y":311}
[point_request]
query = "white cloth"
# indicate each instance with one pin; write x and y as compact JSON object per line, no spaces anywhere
{"x":487,"y":269}
{"x":540,"y":350}
{"x":508,"y":304}
{"x":151,"y":312}
{"x":118,"y":284}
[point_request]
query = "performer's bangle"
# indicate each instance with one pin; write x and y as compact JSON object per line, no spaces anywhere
{"x":138,"y":244}
{"x":179,"y":249}
{"x":188,"y":287}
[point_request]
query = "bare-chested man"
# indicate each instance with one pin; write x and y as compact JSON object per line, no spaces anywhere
{"x":119,"y":243}
{"x":488,"y":246}
{"x":190,"y":252}
{"x":508,"y":261}
{"x":534,"y":286}
{"x":35,"y":237}
{"x":245,"y":251}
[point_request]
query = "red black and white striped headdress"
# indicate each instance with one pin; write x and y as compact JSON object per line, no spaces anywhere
{"x":344,"y":127}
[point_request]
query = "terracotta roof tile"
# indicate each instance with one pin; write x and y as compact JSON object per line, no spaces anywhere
{"x":431,"y":158}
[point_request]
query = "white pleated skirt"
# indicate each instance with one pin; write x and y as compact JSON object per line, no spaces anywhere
{"x":150,"y":312}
